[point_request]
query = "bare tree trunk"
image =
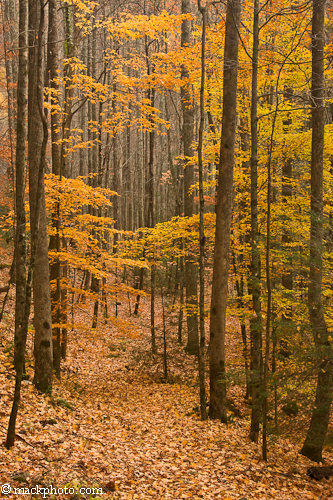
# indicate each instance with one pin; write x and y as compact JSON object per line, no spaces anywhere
{"x":314,"y":442}
{"x":201,"y":353}
{"x":9,"y":27}
{"x":21,"y":311}
{"x":269,"y":312}
{"x":243,"y":239}
{"x":218,"y":397}
{"x":95,"y":282}
{"x":242,"y":318}
{"x":64,"y":307}
{"x":187,"y":137}
{"x":83,"y":154}
{"x":287,"y":277}
{"x":255,"y":322}
{"x":165,"y":359}
{"x":37,"y":139}
{"x":52,"y":71}
{"x":150,"y":223}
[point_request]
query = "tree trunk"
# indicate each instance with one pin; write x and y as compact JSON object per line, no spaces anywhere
{"x":52,"y":71}
{"x":187,"y":137}
{"x":95,"y":282}
{"x":240,"y":267}
{"x":21,"y":311}
{"x":37,"y":138}
{"x":314,"y":442}
{"x":9,"y":30}
{"x":218,"y":398}
{"x":287,"y":277}
{"x":201,"y":353}
{"x":255,"y":322}
{"x":150,"y":219}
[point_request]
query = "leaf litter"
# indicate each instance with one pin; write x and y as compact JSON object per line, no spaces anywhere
{"x":113,"y":423}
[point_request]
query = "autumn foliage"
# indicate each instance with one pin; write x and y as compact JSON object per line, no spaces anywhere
{"x":124,"y":413}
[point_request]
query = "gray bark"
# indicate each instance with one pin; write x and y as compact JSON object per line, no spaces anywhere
{"x":201,"y":354}
{"x":224,"y":200}
{"x":52,"y":74}
{"x":37,"y":133}
{"x":314,"y":442}
{"x":187,"y":137}
{"x":255,"y":322}
{"x":21,"y":309}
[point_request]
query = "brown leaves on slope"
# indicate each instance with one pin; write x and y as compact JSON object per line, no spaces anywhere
{"x":112,"y":424}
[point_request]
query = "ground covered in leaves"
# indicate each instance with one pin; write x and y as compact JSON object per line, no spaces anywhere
{"x":112,"y":424}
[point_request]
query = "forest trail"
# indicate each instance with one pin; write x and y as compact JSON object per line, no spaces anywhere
{"x":112,"y":424}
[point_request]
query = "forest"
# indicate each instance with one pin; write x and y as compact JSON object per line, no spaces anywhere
{"x":166,"y":243}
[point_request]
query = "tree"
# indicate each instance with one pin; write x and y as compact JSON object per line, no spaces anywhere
{"x":201,"y":352}
{"x":224,"y":199}
{"x":187,"y":138}
{"x":314,"y":442}
{"x":9,"y":30}
{"x":37,"y":141}
{"x":52,"y":73}
{"x":255,"y":323}
{"x":22,"y":305}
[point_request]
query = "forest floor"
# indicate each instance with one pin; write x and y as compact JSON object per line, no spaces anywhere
{"x":113,"y":425}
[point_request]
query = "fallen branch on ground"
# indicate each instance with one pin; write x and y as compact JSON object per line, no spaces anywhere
{"x":319,"y":473}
